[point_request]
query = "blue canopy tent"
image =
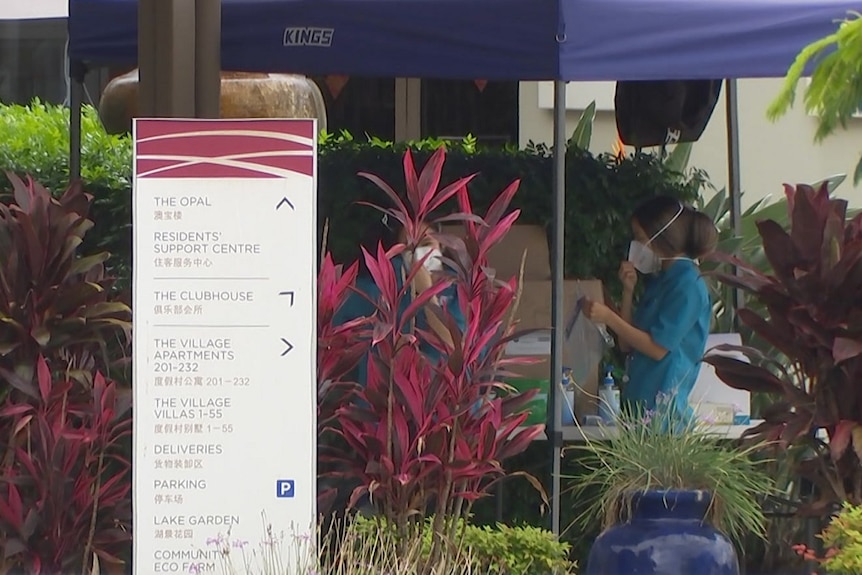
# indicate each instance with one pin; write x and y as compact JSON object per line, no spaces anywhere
{"x":560,"y":40}
{"x":492,"y":39}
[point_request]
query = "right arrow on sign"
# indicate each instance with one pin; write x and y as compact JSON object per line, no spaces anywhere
{"x":288,"y":348}
{"x":283,"y":202}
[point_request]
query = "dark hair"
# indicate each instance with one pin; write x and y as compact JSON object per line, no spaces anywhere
{"x":693,"y":233}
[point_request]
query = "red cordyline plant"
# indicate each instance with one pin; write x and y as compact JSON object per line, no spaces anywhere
{"x":428,"y":436}
{"x":340,"y":347}
{"x":54,"y":302}
{"x":65,"y":486}
{"x":813,"y":300}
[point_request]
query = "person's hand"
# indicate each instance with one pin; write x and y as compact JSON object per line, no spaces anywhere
{"x":628,"y":276}
{"x":597,"y":312}
{"x":422,"y":280}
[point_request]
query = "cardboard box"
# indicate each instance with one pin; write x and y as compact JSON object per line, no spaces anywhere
{"x":582,"y":350}
{"x":711,"y":398}
{"x":505,"y":257}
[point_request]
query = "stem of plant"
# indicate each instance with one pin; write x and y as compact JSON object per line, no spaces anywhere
{"x":94,"y":515}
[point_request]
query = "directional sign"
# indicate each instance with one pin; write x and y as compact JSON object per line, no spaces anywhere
{"x":225,"y":343}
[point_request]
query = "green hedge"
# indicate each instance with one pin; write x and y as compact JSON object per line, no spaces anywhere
{"x":601,"y":190}
{"x":35,"y":140}
{"x":491,"y":549}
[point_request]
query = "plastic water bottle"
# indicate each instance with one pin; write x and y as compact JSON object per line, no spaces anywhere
{"x":609,"y":399}
{"x":568,"y":387}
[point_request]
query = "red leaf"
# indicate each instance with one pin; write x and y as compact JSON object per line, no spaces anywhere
{"x":22,"y":423}
{"x":13,"y":410}
{"x":496,"y":233}
{"x":12,"y":509}
{"x":501,"y":204}
{"x":356,"y":495}
{"x":779,"y":249}
{"x":840,"y":440}
{"x":393,"y":196}
{"x":412,"y":182}
{"x":421,"y":301}
{"x":844,"y":348}
{"x":799,"y":424}
{"x":446,"y":193}
{"x":44,"y":378}
{"x":429,"y":180}
{"x":745,"y":376}
{"x":521,"y":440}
{"x":785,"y":341}
{"x":401,"y":217}
{"x":326,"y":499}
{"x":807,"y":221}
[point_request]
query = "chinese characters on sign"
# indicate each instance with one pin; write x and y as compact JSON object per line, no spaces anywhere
{"x":224,"y":336}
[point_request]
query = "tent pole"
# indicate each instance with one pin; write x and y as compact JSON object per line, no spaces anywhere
{"x":77,"y":72}
{"x":558,"y":262}
{"x":734,"y":180}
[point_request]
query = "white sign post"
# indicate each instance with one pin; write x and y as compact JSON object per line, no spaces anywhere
{"x":224,"y":338}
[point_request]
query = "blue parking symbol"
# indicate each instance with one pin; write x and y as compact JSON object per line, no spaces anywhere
{"x":284,"y":488}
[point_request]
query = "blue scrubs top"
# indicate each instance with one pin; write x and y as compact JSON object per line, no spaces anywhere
{"x":676,"y":311}
{"x":358,"y":306}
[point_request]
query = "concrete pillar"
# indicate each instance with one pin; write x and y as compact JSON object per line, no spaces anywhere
{"x":408,"y":109}
{"x":207,"y":58}
{"x":179,"y":58}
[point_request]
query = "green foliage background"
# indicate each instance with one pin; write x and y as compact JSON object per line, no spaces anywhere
{"x":834,"y":95}
{"x":494,"y":549}
{"x":601,"y":190}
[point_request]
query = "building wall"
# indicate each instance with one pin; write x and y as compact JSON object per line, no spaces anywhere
{"x":770,"y":153}
{"x":31,"y":9}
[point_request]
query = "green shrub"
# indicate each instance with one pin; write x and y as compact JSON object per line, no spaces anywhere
{"x":498,"y":550}
{"x":34,"y":140}
{"x":516,"y":550}
{"x":601,"y":191}
{"x":842,"y":539}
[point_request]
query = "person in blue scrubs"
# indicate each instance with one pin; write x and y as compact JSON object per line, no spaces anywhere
{"x":389,"y":233}
{"x":666,"y":335}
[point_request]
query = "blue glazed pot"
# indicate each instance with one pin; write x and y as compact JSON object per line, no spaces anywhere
{"x":667,"y":535}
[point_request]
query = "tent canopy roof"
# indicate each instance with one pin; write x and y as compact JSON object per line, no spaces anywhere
{"x":489,"y":39}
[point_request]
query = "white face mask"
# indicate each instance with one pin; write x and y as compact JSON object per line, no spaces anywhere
{"x":645,"y":260}
{"x":433,"y":263}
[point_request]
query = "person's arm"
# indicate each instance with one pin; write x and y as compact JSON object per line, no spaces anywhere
{"x":626,"y":316}
{"x":628,"y":277}
{"x":421,"y":282}
{"x":680,"y":309}
{"x":634,"y":338}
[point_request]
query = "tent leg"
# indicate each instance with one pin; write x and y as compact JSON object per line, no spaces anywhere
{"x":734,"y":180}
{"x":555,"y":437}
{"x":77,"y":72}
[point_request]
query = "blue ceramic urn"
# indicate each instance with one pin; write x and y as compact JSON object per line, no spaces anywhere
{"x":667,"y":535}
